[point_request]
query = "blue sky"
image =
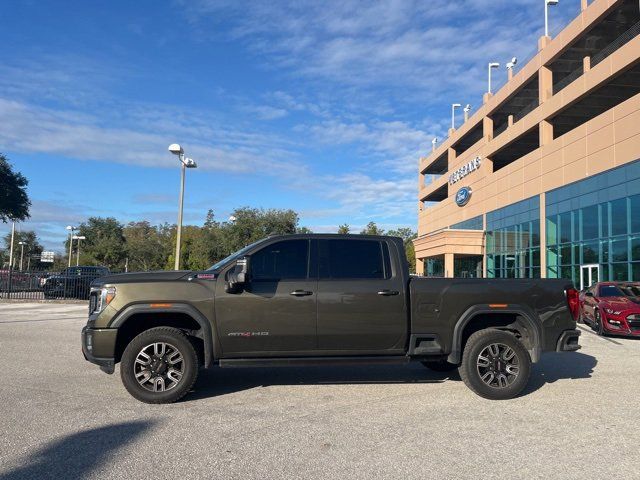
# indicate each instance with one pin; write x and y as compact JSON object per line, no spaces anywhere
{"x":319,"y":106}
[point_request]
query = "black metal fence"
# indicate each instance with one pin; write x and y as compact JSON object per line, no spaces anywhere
{"x":48,"y":285}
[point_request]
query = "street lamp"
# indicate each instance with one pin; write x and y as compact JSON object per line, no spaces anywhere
{"x":491,"y":65}
{"x":71,"y":230}
{"x":510,"y":66}
{"x":466,"y":111}
{"x":185,"y":163}
{"x":78,"y":238}
{"x":433,"y":143}
{"x":453,"y":114}
{"x":22,"y":244}
{"x":547,"y":3}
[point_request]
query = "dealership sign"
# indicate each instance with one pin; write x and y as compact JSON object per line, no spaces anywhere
{"x":465,"y":170}
{"x":463,"y":196}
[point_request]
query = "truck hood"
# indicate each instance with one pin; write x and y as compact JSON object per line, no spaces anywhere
{"x":141,"y":277}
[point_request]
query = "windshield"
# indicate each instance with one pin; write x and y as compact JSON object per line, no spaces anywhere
{"x":631,"y":290}
{"x":610,"y":291}
{"x":232,"y":257}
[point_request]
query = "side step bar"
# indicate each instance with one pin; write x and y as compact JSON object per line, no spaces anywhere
{"x":311,"y":361}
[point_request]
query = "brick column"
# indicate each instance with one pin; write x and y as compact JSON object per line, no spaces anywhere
{"x":448,"y":265}
{"x":487,"y":128}
{"x":543,"y":235}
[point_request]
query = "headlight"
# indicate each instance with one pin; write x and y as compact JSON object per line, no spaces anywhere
{"x":104,"y":297}
{"x":611,"y":311}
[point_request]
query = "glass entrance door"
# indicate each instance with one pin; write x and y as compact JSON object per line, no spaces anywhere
{"x":589,"y":274}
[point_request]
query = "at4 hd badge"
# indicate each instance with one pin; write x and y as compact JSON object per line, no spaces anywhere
{"x":463,"y":196}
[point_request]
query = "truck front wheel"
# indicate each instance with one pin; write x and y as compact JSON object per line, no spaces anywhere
{"x":159,"y":366}
{"x":495,"y":365}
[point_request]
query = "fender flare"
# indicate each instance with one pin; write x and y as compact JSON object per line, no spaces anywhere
{"x":534,"y":328}
{"x":210,"y":353}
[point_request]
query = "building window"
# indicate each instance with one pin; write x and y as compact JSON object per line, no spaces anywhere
{"x":474,"y":223}
{"x":434,"y":266}
{"x":596,"y":221}
{"x":467,"y":266}
{"x":513,"y":240}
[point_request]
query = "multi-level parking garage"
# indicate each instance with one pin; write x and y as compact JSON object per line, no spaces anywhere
{"x":544,"y":179}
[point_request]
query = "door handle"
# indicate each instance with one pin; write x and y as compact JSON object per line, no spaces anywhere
{"x":301,"y":293}
{"x":388,"y":293}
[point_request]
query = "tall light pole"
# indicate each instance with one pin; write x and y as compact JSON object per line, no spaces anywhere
{"x":433,"y":143}
{"x":71,"y":229}
{"x":184,"y":164}
{"x":22,"y":244}
{"x":78,"y":238}
{"x":547,"y":3}
{"x":491,"y":66}
{"x":453,"y":114}
{"x":13,"y":236}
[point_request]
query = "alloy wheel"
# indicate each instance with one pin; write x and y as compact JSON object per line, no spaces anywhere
{"x":498,"y":365}
{"x":158,"y":367}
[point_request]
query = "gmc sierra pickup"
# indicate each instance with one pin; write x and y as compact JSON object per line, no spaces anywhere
{"x":323,"y":299}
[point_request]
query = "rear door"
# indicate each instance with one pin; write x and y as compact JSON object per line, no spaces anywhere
{"x":361,"y":298}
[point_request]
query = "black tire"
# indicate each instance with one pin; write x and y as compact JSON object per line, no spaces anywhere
{"x":507,"y":383}
{"x":598,"y":326}
{"x":174,"y":340}
{"x":439,"y":365}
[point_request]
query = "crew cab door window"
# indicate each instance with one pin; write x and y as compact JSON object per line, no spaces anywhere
{"x":361,"y":303}
{"x":282,"y":260}
{"x":352,"y":259}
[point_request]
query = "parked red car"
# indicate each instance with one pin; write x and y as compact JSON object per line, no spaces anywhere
{"x":610,"y":308}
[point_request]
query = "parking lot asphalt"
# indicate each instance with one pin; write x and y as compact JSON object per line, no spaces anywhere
{"x":62,"y":417}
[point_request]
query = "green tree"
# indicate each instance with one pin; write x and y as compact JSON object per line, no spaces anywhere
{"x":104,"y":243}
{"x":252,"y":224}
{"x":14,"y":201}
{"x":344,"y":229}
{"x":372,"y":229}
{"x":147,"y":246}
{"x":32,"y":247}
{"x":407,"y":235}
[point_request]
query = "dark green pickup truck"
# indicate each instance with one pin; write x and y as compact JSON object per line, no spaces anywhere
{"x":323,"y":299}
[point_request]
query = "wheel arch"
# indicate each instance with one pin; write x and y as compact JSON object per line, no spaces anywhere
{"x":179,"y":315}
{"x":514,"y":317}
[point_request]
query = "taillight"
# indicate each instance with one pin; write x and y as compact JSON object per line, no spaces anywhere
{"x":574,"y":302}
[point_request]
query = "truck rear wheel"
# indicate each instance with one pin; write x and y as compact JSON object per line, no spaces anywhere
{"x":495,"y":365}
{"x":159,"y":366}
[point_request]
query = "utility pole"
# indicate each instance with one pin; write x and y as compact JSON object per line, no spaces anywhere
{"x":13,"y":235}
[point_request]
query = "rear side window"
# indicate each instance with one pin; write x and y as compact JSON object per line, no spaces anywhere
{"x":352,"y":259}
{"x":281,"y":261}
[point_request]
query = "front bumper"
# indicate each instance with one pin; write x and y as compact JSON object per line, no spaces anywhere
{"x":99,"y":346}
{"x":568,"y":341}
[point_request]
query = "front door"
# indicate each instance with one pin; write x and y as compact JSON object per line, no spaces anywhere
{"x":361,"y":301}
{"x":275,"y":314}
{"x":589,"y":274}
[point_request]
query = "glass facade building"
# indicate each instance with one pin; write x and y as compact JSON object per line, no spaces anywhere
{"x":474,"y":223}
{"x":513,"y":240}
{"x":595,"y":224}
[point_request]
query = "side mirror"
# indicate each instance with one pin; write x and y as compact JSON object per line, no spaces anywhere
{"x":238,"y":276}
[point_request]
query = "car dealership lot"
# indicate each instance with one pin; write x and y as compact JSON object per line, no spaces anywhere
{"x":63,"y":418}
